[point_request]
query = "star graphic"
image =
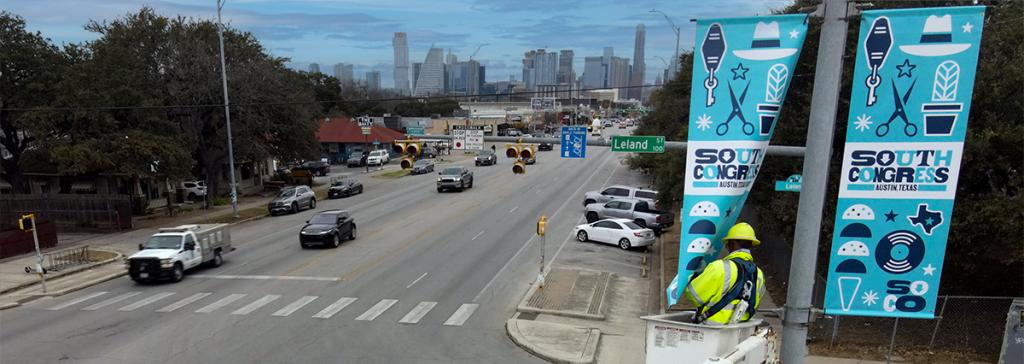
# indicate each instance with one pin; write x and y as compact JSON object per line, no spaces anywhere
{"x":704,"y":122}
{"x":793,"y":34}
{"x":929,"y":221}
{"x":729,"y":211}
{"x":863,"y":122}
{"x":968,"y":27}
{"x":740,"y":72}
{"x":929,"y":270}
{"x":891,"y":216}
{"x":905,"y":69}
{"x":870,"y":298}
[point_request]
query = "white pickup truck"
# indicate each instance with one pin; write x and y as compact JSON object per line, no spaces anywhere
{"x":172,"y":251}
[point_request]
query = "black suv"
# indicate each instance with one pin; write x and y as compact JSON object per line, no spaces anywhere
{"x":319,"y":168}
{"x":456,"y":177}
{"x":328,"y":228}
{"x":344,"y":188}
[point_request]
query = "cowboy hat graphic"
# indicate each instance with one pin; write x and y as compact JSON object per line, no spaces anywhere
{"x":765,"y":45}
{"x":936,"y":39}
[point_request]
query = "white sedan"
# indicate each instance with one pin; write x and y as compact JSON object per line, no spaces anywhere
{"x":622,"y":232}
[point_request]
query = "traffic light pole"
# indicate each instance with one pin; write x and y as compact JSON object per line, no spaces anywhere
{"x":39,"y":254}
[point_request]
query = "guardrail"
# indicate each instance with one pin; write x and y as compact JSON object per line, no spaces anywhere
{"x":55,"y":261}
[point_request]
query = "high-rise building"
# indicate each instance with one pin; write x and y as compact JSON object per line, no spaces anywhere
{"x":619,"y":74}
{"x":416,"y":73}
{"x":472,"y":81}
{"x":593,"y":73}
{"x":343,"y":72}
{"x":539,"y":68}
{"x":314,"y":68}
{"x":657,"y":80}
{"x":483,"y":77}
{"x":401,"y":76}
{"x":373,"y":80}
{"x":431,"y":75}
{"x":636,"y":77}
{"x":565,"y":73}
{"x":606,"y":61}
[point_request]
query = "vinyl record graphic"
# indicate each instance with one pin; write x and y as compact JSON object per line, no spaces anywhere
{"x":899,"y":252}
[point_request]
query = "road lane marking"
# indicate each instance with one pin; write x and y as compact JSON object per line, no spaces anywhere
{"x":338,"y":305}
{"x":376,"y":310}
{"x":221,"y":303}
{"x":255,"y":305}
{"x":461,"y":315}
{"x":478,"y":234}
{"x":110,"y":301}
{"x":76,"y":301}
{"x":146,"y":301}
{"x":417,"y":280}
{"x":294,"y":306}
{"x":418,"y":312}
{"x":257,"y":277}
{"x":513,"y":209}
{"x":184,"y":302}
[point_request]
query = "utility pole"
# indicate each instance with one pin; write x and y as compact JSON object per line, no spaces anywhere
{"x":39,"y":254}
{"x":824,"y":103}
{"x":227,"y":109}
{"x":675,"y":59}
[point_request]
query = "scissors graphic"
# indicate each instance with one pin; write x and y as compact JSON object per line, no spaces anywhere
{"x":748,"y":127}
{"x":901,"y":112}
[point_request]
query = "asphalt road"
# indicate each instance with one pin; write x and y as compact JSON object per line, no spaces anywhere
{"x":431,"y":278}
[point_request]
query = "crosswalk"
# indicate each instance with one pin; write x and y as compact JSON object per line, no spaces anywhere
{"x":246,"y":304}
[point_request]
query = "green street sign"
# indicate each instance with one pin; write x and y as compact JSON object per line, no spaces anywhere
{"x":414,"y":130}
{"x":638,"y":144}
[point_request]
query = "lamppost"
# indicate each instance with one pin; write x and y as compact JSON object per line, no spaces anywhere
{"x":227,"y":109}
{"x":675,"y":60}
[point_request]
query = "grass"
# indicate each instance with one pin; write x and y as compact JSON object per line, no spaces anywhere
{"x":394,"y":174}
{"x":242,"y":215}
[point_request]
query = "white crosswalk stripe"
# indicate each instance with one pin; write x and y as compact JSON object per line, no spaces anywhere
{"x":110,"y":301}
{"x":146,"y":301}
{"x":461,"y":315}
{"x":184,"y":302}
{"x":335,"y":307}
{"x":255,"y":305}
{"x":221,"y":303}
{"x":76,"y":301}
{"x":294,"y":306}
{"x":418,"y":312}
{"x":376,"y":310}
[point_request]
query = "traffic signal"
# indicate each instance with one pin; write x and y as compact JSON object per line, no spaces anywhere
{"x":26,"y":222}
{"x":519,"y":167}
{"x":410,"y":149}
{"x":519,"y":150}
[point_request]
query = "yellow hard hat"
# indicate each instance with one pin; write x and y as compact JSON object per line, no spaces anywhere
{"x":742,"y":231}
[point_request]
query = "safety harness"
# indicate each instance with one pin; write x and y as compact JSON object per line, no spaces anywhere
{"x":744,"y":289}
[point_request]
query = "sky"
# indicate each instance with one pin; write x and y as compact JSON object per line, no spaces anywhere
{"x":360,"y":31}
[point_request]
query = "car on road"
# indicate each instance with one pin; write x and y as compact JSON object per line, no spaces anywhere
{"x":620,"y":191}
{"x":344,"y":187}
{"x":378,"y":158}
{"x":357,"y":159}
{"x":622,"y":125}
{"x":531,"y":160}
{"x":629,"y":122}
{"x":317,"y":168}
{"x":292,"y":199}
{"x":454,"y":177}
{"x":595,"y":132}
{"x":423,"y":166}
{"x":545,"y":145}
{"x":171,"y":251}
{"x":607,"y":124}
{"x":328,"y":228}
{"x":486,"y":157}
{"x":194,"y":190}
{"x":636,"y":210}
{"x":622,"y":232}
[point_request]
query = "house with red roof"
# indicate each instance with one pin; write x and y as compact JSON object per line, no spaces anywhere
{"x":341,"y":136}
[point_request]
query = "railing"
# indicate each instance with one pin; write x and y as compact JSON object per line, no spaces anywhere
{"x":61,"y":259}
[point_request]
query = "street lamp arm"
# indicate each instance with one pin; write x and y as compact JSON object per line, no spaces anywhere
{"x":669,"y":20}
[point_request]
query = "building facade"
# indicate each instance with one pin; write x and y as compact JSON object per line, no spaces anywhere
{"x":343,"y":72}
{"x":565,"y":73}
{"x":373,"y":80}
{"x":314,"y":68}
{"x":431,"y":75}
{"x":593,"y":73}
{"x":401,"y":75}
{"x":636,"y":77}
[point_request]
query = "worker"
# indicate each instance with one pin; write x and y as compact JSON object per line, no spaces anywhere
{"x":728,"y":290}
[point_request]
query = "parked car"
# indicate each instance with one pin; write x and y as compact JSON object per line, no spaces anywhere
{"x":317,"y":168}
{"x":378,"y":158}
{"x":638,"y":211}
{"x":486,"y":157}
{"x":344,"y":187}
{"x":292,"y":199}
{"x":629,"y":122}
{"x":194,"y":190}
{"x":171,"y":251}
{"x":328,"y":228}
{"x":622,"y":125}
{"x":622,"y":232}
{"x":619,"y":191}
{"x":423,"y":166}
{"x":357,"y":159}
{"x":428,"y":152}
{"x":454,"y":177}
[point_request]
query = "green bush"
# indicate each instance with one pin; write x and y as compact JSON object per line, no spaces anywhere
{"x":219,"y":201}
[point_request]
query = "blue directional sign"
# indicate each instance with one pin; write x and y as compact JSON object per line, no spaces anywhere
{"x":574,"y":142}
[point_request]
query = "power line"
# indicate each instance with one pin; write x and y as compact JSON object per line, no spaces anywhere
{"x":342,"y":101}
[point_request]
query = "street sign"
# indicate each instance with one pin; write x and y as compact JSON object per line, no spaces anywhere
{"x":574,"y":142}
{"x":459,"y":137}
{"x":366,"y":130}
{"x":791,"y":184}
{"x":414,"y":130}
{"x":475,"y":137}
{"x":638,"y":144}
{"x":365,"y":123}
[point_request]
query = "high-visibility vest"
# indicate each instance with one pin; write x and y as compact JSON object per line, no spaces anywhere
{"x":708,"y":286}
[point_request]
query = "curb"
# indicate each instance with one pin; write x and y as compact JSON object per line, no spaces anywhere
{"x":29,"y":298}
{"x":71,"y":271}
{"x":589,"y":354}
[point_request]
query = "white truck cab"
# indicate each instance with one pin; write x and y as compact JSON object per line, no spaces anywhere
{"x":171,"y":251}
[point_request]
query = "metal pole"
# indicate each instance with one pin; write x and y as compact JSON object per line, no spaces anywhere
{"x":824,"y":101}
{"x":892,"y":340}
{"x":675,"y":59}
{"x":931,"y":343}
{"x":39,"y":255}
{"x":366,"y":149}
{"x":227,"y":110}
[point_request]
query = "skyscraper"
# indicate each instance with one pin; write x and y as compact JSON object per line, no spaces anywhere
{"x":401,"y":76}
{"x":637,"y":73}
{"x":539,"y":68}
{"x":373,"y":80}
{"x":619,"y":74}
{"x":314,"y":68}
{"x":593,"y":73}
{"x":565,"y":74}
{"x":343,"y":72}
{"x":607,"y":63}
{"x":472,"y":79}
{"x":431,"y":77}
{"x":416,"y":73}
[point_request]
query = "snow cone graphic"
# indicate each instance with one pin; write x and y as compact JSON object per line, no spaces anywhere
{"x":941,"y":114}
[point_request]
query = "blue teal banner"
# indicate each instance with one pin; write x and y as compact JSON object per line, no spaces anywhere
{"x":742,"y":69}
{"x":912,"y":87}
